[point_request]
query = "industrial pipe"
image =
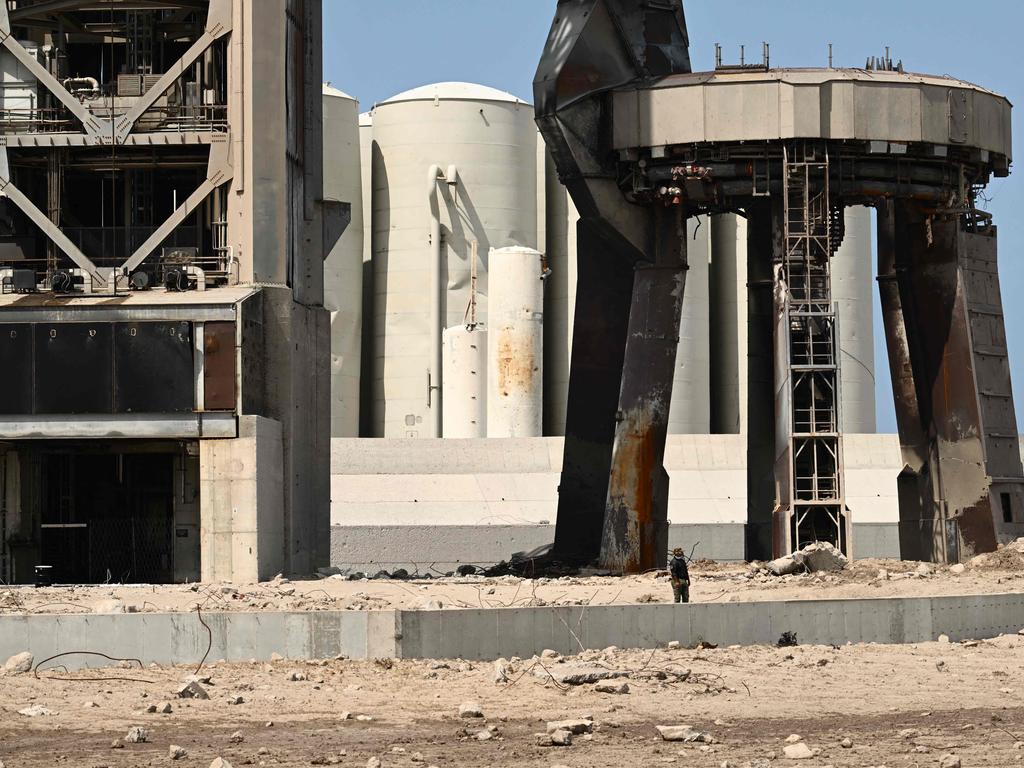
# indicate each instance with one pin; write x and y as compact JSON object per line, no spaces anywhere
{"x":436,"y":358}
{"x":73,"y":85}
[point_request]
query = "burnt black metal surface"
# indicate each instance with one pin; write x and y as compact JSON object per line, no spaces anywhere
{"x":593,"y":47}
{"x":74,"y":368}
{"x":16,"y":364}
{"x":154,"y":370}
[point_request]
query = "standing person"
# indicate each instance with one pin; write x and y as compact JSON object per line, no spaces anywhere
{"x":680,"y":576}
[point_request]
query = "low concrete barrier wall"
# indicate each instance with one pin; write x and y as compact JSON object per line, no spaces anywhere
{"x":488,"y":634}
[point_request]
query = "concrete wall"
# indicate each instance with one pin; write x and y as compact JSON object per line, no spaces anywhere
{"x":241,"y":491}
{"x":411,"y":503}
{"x":488,"y":634}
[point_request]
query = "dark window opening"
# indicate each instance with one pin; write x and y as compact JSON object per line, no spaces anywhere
{"x":1007,"y":503}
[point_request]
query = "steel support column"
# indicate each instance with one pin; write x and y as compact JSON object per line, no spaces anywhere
{"x":636,"y":514}
{"x":963,"y":482}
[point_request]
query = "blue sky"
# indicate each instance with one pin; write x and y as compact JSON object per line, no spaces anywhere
{"x":376,"y":48}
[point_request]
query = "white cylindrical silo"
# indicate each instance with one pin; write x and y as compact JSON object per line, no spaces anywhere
{"x":482,"y":146}
{"x":515,"y":344}
{"x":728,"y":313}
{"x":465,"y":382}
{"x":343,"y":268}
{"x":852,"y":291}
{"x":690,"y":409}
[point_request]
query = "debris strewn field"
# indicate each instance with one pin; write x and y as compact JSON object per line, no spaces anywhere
{"x":1001,"y":571}
{"x":934,"y":704}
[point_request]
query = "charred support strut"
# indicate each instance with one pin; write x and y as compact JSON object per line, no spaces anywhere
{"x":962,"y":484}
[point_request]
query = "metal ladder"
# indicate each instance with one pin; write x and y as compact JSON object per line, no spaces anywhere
{"x":814,"y":509}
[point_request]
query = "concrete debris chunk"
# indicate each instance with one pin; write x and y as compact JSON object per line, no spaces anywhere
{"x":236,"y":737}
{"x":620,"y":688}
{"x":684,"y":733}
{"x":793,"y":738}
{"x":957,"y":569}
{"x":798,"y":751}
{"x":470,"y":709}
{"x":176,"y":753}
{"x":484,"y":736}
{"x":137,"y":735}
{"x":19,"y":664}
{"x":814,"y":558}
{"x":164,"y":708}
{"x":192,"y":690}
{"x":501,"y":671}
{"x":373,"y":762}
{"x":573,"y":675}
{"x":560,"y":738}
{"x":949,"y":761}
{"x":220,"y":762}
{"x":846,"y":743}
{"x":36,"y":710}
{"x":575,"y":727}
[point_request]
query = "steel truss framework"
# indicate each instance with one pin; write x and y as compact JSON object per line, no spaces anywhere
{"x":123,"y":131}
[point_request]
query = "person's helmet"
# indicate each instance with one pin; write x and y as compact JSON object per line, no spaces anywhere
{"x":677,"y":552}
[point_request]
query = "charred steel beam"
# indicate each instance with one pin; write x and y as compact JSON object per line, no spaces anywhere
{"x":962,"y":485}
{"x":636,"y":514}
{"x":595,"y":46}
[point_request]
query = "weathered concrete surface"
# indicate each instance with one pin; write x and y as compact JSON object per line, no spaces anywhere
{"x":487,"y":634}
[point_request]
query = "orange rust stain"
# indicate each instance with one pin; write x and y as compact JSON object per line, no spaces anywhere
{"x":632,"y":489}
{"x":517,"y":363}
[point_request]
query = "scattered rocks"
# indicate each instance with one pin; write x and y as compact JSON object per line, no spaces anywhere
{"x":957,"y":569}
{"x":846,"y":744}
{"x":176,"y":753}
{"x":685,"y":733}
{"x":793,"y":738}
{"x":297,"y":677}
{"x":559,"y":738}
{"x":236,"y":700}
{"x":470,"y":709}
{"x":137,"y":735}
{"x":949,"y":761}
{"x":620,"y":688}
{"x":484,"y":736}
{"x":798,"y":751}
{"x":236,"y":737}
{"x":220,"y":762}
{"x":164,"y":708}
{"x":502,"y":669}
{"x":19,"y":664}
{"x":192,"y":690}
{"x":373,"y":762}
{"x":575,"y":727}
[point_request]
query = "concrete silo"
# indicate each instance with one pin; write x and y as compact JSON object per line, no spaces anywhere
{"x":343,"y":269}
{"x":454,"y":173}
{"x":690,"y":410}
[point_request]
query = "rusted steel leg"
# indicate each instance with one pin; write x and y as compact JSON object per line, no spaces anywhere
{"x":604,"y":293}
{"x":762,"y":234}
{"x":917,"y":508}
{"x":636,"y":516}
{"x":956,"y":341}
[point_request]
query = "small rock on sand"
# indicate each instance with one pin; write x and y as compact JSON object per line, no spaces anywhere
{"x":798,"y":751}
{"x":470,"y":709}
{"x":621,"y":688}
{"x":949,"y":761}
{"x":36,"y":710}
{"x":137,"y":735}
{"x":575,"y":727}
{"x":176,"y":753}
{"x":19,"y":664}
{"x":192,"y":690}
{"x":686,"y":733}
{"x":560,"y":738}
{"x":220,"y":762}
{"x":373,"y":762}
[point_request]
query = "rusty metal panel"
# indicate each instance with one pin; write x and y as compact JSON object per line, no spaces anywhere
{"x":17,"y":367}
{"x":219,"y":366}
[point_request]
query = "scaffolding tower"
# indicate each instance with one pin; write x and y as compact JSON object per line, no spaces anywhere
{"x":809,"y":464}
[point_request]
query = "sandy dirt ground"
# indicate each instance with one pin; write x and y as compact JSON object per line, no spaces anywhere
{"x":898,"y":706}
{"x":1002,"y":571}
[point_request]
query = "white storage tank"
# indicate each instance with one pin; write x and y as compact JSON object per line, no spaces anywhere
{"x":515,"y":344}
{"x":454,"y":171}
{"x":465,"y":382}
{"x":343,"y":268}
{"x":690,"y":409}
{"x":852,"y":291}
{"x":728,"y":313}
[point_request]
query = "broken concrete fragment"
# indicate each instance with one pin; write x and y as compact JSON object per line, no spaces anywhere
{"x":949,"y":761}
{"x":176,"y":753}
{"x":470,"y":709}
{"x":572,"y":675}
{"x":36,"y":710}
{"x":236,"y":737}
{"x":164,"y":708}
{"x":798,"y":751}
{"x":620,"y":688}
{"x":793,"y":738}
{"x":137,"y":735}
{"x":501,"y":671}
{"x":547,"y":653}
{"x":192,"y":690}
{"x":575,"y":727}
{"x":484,"y":736}
{"x":560,"y":738}
{"x":685,"y":733}
{"x":19,"y":664}
{"x":957,"y":569}
{"x":846,"y":744}
{"x":220,"y":762}
{"x":373,"y":762}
